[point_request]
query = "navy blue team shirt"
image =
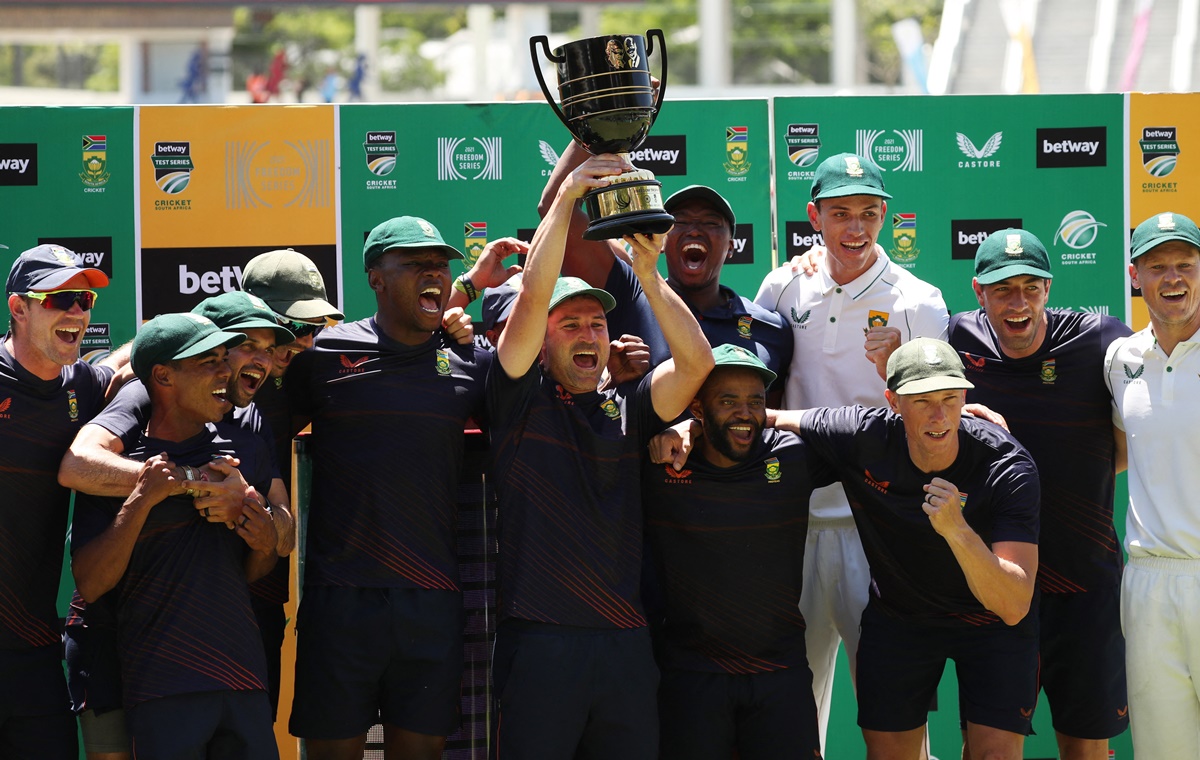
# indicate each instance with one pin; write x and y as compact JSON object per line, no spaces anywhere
{"x":729,"y":545}
{"x":914,"y":575}
{"x":1058,"y":406}
{"x":184,"y":620}
{"x":569,"y":519}
{"x":387,"y":449}
{"x":38,"y":420}
{"x":741,"y":322}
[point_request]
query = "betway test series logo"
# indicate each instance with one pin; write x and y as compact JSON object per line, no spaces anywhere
{"x":469,"y":158}
{"x":804,"y":148}
{"x":1072,"y":147}
{"x":172,"y":166}
{"x":1160,"y":153}
{"x":379,"y":147}
{"x":897,"y":150}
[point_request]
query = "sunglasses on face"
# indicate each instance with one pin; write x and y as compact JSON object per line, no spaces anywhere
{"x":303,"y":329}
{"x":63,"y":300}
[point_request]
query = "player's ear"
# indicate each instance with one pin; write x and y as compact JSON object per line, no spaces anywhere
{"x":161,"y":375}
{"x":375,"y":279}
{"x":893,"y":400}
{"x":697,"y":409}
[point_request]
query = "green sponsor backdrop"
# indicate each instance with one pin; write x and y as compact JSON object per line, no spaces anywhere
{"x":964,"y":166}
{"x":55,"y":198}
{"x":484,"y":167}
{"x":958,"y":168}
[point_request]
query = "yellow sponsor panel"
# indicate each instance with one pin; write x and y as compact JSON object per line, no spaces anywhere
{"x":1164,"y":163}
{"x":236,"y":176}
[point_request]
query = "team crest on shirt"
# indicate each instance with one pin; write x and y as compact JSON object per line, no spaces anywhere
{"x":72,"y":406}
{"x":962,"y":500}
{"x":743,"y":325}
{"x":683,"y":477}
{"x":801,"y":320}
{"x":1049,"y":373}
{"x":877,"y":319}
{"x":610,"y":409}
{"x":773,"y":473}
{"x":443,"y":362}
{"x":4,"y":405}
{"x":1132,"y":375}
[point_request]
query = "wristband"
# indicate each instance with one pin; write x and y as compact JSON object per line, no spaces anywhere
{"x":463,"y":285}
{"x":188,"y":472}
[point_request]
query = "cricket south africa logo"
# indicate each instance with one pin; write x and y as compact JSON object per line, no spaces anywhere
{"x":95,"y":163}
{"x":736,"y":151}
{"x":979,"y":157}
{"x":474,"y":241}
{"x":1160,"y":150}
{"x":469,"y":158}
{"x":172,"y":166}
{"x":904,"y":238}
{"x":1078,"y":230}
{"x":773,"y":473}
{"x":897,"y":150}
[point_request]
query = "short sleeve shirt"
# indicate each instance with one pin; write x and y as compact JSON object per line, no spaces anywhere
{"x":729,"y":546}
{"x":914,"y":574}
{"x":1058,"y":406}
{"x":1157,"y":400}
{"x":829,"y":363}
{"x":566,"y":469}
{"x":387,"y":448}
{"x":38,"y":420}
{"x":184,"y":619}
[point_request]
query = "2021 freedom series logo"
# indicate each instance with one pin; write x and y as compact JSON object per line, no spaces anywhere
{"x":469,"y":158}
{"x":264,"y":175}
{"x":803,"y":148}
{"x":896,"y":150}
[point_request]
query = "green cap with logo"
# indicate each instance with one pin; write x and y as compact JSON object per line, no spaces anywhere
{"x":404,"y":232}
{"x":925,"y":365}
{"x":729,"y":355}
{"x":1008,"y":253}
{"x":291,"y":285}
{"x":238,"y":310}
{"x":570,"y":287}
{"x":1160,"y":229}
{"x":847,"y":174}
{"x":169,"y":337}
{"x":705,"y":194}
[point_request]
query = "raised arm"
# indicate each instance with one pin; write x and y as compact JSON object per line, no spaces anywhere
{"x":674,"y":382}
{"x":523,"y":336}
{"x":589,"y":260}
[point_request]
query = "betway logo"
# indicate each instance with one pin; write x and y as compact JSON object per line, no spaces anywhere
{"x":89,"y":251}
{"x":1072,"y":147}
{"x":798,"y":130}
{"x":665,"y":155}
{"x":162,"y":148}
{"x":799,"y":237}
{"x":967,"y":234}
{"x":1160,"y":134}
{"x":1067,"y":146}
{"x":222,"y":281}
{"x":743,"y":244}
{"x":649,"y":154}
{"x":18,"y":164}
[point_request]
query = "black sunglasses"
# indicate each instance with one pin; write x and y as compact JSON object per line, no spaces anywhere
{"x":63,"y":300}
{"x":303,"y":329}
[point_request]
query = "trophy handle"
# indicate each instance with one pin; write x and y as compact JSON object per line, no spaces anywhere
{"x":651,"y":34}
{"x":537,"y":71}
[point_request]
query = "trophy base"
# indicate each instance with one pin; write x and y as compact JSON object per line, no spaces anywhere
{"x":626,"y":207}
